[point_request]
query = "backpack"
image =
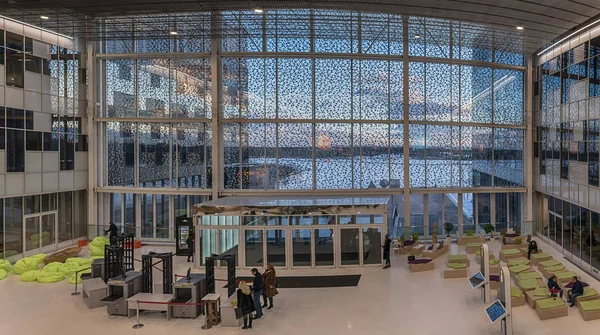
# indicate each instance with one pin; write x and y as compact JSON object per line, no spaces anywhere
{"x":411,"y":257}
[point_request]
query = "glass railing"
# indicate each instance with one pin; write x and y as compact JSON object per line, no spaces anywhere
{"x":426,"y":232}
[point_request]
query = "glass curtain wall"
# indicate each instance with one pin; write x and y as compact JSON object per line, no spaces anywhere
{"x":46,"y":222}
{"x":357,"y":107}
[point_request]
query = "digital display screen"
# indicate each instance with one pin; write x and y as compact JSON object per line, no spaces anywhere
{"x":184,"y":232}
{"x":477,"y":280}
{"x":495,"y":311}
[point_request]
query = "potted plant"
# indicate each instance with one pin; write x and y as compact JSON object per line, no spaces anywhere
{"x":489,"y":229}
{"x":448,"y":227}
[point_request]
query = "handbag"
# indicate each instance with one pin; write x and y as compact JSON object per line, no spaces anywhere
{"x":411,"y":257}
{"x":238,"y":313}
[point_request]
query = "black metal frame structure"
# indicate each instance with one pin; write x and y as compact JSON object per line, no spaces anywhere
{"x":113,"y":261}
{"x":125,"y":241}
{"x":166,"y":259}
{"x":210,"y":273}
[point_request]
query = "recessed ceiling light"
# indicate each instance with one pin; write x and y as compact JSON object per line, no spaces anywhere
{"x":44,"y":17}
{"x":519,"y":28}
{"x":258,"y":10}
{"x":417,"y":36}
{"x":173,"y":32}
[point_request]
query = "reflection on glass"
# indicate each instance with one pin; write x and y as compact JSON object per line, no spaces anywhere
{"x":208,"y":244}
{"x":65,"y":216}
{"x":48,"y":228}
{"x":130,"y":200}
{"x":348,"y":219}
{"x":435,"y":213}
{"x":13,"y":238}
{"x":147,"y":216}
{"x":254,"y":248}
{"x":301,"y":247}
{"x":229,"y":243}
{"x":372,"y":245}
{"x":32,"y":233}
{"x":323,"y":247}
{"x":162,"y":216}
{"x":276,"y":247}
{"x":349,"y":243}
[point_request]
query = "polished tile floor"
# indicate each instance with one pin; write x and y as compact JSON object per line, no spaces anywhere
{"x":392,"y":301}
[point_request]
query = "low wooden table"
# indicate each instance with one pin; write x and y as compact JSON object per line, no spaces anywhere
{"x":150,"y":302}
{"x":213,"y":309}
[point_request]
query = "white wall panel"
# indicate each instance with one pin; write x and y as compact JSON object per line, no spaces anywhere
{"x":50,"y":182}
{"x":33,"y":183}
{"x":33,"y":101}
{"x":65,"y":180}
{"x":15,"y":183}
{"x":50,"y":161}
{"x":33,"y":82}
{"x":14,"y":97}
{"x":33,"y":161}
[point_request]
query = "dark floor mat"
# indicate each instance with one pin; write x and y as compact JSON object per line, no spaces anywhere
{"x":313,"y":281}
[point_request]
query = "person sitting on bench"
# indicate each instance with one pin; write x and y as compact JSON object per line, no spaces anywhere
{"x":532,"y":248}
{"x":554,"y":288}
{"x":575,"y":291}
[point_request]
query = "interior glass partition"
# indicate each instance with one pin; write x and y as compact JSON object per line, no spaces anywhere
{"x":323,"y":236}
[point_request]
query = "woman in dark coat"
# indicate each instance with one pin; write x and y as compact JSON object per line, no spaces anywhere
{"x":270,"y":285}
{"x":245,"y":304}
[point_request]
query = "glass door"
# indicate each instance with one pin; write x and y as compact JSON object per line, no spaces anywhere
{"x":276,"y":254}
{"x":301,"y":247}
{"x":350,"y":245}
{"x":254,"y":248}
{"x":40,"y":233}
{"x":371,"y":243}
{"x":323,"y":247}
{"x":208,"y":244}
{"x":49,"y":241}
{"x":32,"y":236}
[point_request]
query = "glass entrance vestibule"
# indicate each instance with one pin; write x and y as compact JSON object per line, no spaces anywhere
{"x":306,"y":232}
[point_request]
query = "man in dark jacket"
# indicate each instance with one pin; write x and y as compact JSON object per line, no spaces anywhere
{"x":114,"y":231}
{"x":190,"y":244}
{"x":257,"y":291}
{"x":575,"y":291}
{"x":386,"y":251}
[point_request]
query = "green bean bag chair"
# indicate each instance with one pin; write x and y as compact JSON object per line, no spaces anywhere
{"x":5,"y":265}
{"x":78,"y":261}
{"x":100,"y":241}
{"x":96,"y":251}
{"x":30,"y":276}
{"x":39,"y":258}
{"x":96,"y":257}
{"x":58,"y":267}
{"x":25,"y":264}
{"x":3,"y":274}
{"x":45,"y":235}
{"x":46,"y":277}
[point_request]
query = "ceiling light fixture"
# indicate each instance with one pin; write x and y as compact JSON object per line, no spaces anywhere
{"x":44,"y":17}
{"x":173,"y":32}
{"x":520,"y":28}
{"x":417,"y":36}
{"x":258,"y":10}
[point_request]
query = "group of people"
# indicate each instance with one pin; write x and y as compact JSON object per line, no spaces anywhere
{"x":575,"y":291}
{"x":248,"y":298}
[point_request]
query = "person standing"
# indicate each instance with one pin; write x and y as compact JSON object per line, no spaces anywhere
{"x":190,"y":241}
{"x":245,"y":304}
{"x":270,"y":285}
{"x":386,"y":251}
{"x":112,"y":228}
{"x":257,"y":291}
{"x":575,"y":291}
